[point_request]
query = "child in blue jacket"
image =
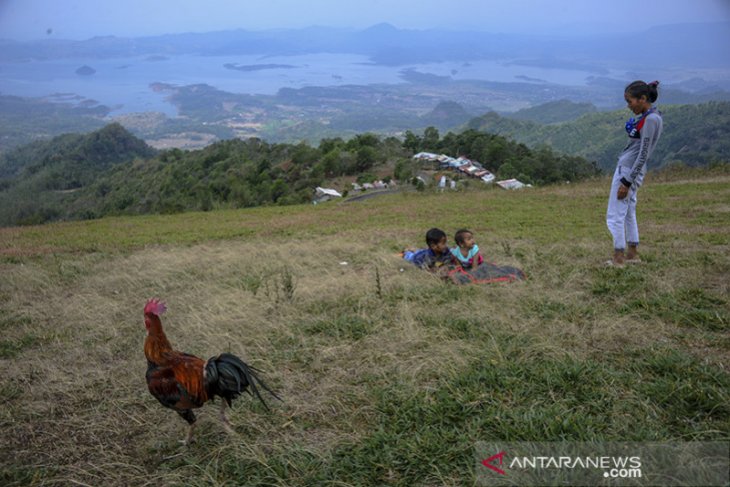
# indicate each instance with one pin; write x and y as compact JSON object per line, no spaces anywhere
{"x":434,"y":256}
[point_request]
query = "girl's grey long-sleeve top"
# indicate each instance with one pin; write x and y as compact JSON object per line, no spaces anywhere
{"x":636,"y":154}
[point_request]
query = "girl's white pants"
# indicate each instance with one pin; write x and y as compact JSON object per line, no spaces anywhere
{"x":621,"y":214}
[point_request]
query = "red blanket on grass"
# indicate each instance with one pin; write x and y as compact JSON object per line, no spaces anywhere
{"x":486,"y":273}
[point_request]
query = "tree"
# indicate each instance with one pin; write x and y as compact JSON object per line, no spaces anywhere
{"x":330,"y":163}
{"x":507,"y":171}
{"x":496,"y":154}
{"x":366,"y":157}
{"x":478,"y":149}
{"x":450,"y":143}
{"x":411,"y":141}
{"x":304,"y":155}
{"x":403,"y":169}
{"x":278,"y":189}
{"x":367,"y":139}
{"x":327,"y":145}
{"x":365,"y":178}
{"x":524,"y":178}
{"x":430,"y":139}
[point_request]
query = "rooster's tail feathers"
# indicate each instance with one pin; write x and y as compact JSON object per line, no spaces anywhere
{"x":228,"y":376}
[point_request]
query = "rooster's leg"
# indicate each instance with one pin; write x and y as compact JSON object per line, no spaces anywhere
{"x":224,"y":418}
{"x":189,"y":438}
{"x":188,"y":416}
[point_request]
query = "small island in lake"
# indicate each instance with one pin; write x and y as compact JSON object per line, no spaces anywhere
{"x":530,"y":79}
{"x":256,"y":67}
{"x":85,"y":70}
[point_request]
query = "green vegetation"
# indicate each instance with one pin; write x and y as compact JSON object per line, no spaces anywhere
{"x":37,"y":180}
{"x":694,"y":135}
{"x":388,"y":377}
{"x":73,"y":159}
{"x":110,"y":172}
{"x":312,"y":113}
{"x":553,"y":112}
{"x":505,"y":157}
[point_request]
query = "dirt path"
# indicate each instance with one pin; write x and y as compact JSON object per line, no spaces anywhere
{"x":371,"y":194}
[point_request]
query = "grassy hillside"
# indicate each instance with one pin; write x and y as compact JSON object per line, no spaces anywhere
{"x":694,"y":135}
{"x":389,"y":377}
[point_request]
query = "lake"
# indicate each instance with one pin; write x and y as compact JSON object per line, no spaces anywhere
{"x":123,"y":83}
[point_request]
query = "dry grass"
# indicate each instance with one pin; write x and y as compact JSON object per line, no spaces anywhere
{"x":76,"y":410}
{"x":83,"y":385}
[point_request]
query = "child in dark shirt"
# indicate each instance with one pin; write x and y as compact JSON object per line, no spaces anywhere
{"x":436,"y":255}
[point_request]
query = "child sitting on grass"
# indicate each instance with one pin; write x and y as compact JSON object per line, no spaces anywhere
{"x":466,"y":253}
{"x":435,"y":255}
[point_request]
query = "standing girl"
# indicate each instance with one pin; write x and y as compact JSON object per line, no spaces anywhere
{"x":643,"y":133}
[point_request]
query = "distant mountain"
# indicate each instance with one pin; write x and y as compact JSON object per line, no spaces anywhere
{"x":699,"y":45}
{"x":695,"y":135}
{"x":206,"y":112}
{"x":553,"y":112}
{"x":446,"y":115}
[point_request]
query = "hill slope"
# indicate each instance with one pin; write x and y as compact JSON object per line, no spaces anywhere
{"x":91,"y":176}
{"x":553,"y":112}
{"x":695,"y":135}
{"x":446,"y":115}
{"x":36,"y":179}
{"x":388,"y":377}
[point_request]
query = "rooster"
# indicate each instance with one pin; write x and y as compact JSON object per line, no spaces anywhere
{"x":182,"y":382}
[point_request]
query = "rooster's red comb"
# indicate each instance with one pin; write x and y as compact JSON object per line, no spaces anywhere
{"x":155,"y":307}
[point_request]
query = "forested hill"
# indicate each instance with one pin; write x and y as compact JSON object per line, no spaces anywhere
{"x":109,"y":172}
{"x":72,"y":160}
{"x":36,"y":178}
{"x":553,"y":112}
{"x":695,"y":135}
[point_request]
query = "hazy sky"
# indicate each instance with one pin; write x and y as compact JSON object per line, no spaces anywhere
{"x":81,"y":19}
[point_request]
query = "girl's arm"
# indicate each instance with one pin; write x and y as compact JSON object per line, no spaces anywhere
{"x":649,"y":132}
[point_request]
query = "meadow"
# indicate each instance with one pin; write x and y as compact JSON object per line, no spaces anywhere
{"x":389,"y":376}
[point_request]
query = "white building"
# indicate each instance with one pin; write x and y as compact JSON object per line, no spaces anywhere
{"x":325,"y":194}
{"x":511,"y":184}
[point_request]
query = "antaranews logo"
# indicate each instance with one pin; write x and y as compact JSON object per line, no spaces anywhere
{"x":670,"y":464}
{"x":613,"y":467}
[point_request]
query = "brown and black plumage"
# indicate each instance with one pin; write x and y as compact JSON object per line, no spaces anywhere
{"x":183,"y":382}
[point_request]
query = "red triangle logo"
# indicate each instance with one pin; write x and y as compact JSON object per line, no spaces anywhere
{"x":488,"y":463}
